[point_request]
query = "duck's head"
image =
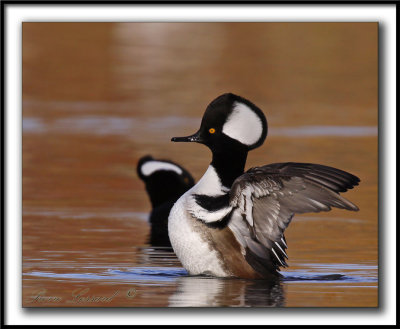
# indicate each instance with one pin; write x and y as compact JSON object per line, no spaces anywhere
{"x":165,"y":180}
{"x":230,"y":122}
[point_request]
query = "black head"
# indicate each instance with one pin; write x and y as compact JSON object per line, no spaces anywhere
{"x":230,"y":122}
{"x":164,"y":179}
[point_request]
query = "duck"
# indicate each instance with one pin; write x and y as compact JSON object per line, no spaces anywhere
{"x":165,"y":182}
{"x":232,"y":223}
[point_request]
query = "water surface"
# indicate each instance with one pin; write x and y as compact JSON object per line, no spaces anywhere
{"x":97,"y":97}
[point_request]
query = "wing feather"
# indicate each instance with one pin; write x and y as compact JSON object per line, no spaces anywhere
{"x":264,"y":200}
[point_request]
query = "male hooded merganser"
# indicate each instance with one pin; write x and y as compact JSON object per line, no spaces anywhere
{"x":231,"y":223}
{"x":165,"y":182}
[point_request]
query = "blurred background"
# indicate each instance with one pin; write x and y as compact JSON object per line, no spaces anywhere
{"x":98,"y":96}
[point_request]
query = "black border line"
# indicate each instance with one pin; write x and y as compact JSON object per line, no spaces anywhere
{"x":207,"y":2}
{"x":2,"y":162}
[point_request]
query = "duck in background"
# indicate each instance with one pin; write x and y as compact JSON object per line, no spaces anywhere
{"x":165,"y":183}
{"x":232,"y":223}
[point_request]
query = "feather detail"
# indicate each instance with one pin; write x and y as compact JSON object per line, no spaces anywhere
{"x":266,"y":198}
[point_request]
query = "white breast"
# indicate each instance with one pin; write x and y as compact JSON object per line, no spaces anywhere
{"x":210,"y":184}
{"x":188,"y":235}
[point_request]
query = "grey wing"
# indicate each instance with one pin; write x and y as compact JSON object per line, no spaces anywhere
{"x":267,"y":198}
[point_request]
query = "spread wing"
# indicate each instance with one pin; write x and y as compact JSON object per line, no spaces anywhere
{"x":265,"y":199}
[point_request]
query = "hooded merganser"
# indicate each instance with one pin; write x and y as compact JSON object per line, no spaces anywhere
{"x":231,"y":223}
{"x":165,"y":182}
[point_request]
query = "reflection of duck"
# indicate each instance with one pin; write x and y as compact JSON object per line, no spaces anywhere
{"x":231,"y":223}
{"x":165,"y":182}
{"x":201,"y":291}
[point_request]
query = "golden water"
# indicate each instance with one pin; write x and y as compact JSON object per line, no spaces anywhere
{"x":98,"y":96}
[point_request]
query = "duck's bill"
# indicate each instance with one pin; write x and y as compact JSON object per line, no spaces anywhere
{"x":193,"y":138}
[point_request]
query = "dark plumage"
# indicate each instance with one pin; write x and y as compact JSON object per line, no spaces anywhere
{"x":275,"y":192}
{"x":164,"y":186}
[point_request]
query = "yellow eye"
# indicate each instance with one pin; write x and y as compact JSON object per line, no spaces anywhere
{"x":211,"y":130}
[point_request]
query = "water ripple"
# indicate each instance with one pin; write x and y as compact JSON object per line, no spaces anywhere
{"x":137,"y":127}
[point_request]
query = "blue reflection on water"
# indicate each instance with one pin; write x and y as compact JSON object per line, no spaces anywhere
{"x":136,"y":127}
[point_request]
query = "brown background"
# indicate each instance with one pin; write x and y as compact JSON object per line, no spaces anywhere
{"x":98,"y":96}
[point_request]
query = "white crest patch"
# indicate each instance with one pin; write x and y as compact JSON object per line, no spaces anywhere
{"x":151,"y":166}
{"x":243,"y":125}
